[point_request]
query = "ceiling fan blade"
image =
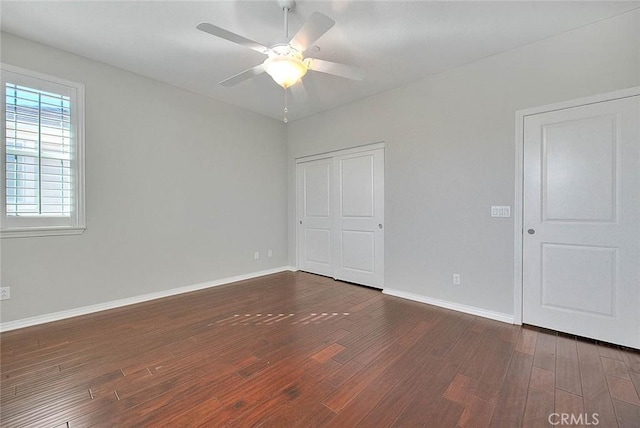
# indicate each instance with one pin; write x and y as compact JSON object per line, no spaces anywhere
{"x":232,"y":37}
{"x":299,"y":92}
{"x":245,"y":75}
{"x":316,"y":25}
{"x":336,"y":69}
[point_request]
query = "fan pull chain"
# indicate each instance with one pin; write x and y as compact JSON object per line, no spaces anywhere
{"x":286,"y":110}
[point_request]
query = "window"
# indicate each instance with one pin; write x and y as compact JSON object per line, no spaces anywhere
{"x":42,"y":154}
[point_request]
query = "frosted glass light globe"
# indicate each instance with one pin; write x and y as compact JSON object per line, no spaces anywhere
{"x":285,"y":70}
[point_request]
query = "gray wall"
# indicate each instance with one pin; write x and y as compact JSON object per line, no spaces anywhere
{"x":450,"y":155}
{"x":181,"y":189}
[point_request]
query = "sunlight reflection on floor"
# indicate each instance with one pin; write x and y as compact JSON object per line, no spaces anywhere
{"x":270,"y":318}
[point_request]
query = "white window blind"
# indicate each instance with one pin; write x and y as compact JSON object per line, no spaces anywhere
{"x":42,"y":154}
{"x":38,"y":150}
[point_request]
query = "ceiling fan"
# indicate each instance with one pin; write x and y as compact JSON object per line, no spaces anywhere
{"x":285,"y":61}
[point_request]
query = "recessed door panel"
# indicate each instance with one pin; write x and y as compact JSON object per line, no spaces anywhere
{"x":316,"y":190}
{"x":579,"y":278}
{"x":356,"y":177}
{"x":318,"y":245}
{"x":579,"y":170}
{"x":358,"y":250}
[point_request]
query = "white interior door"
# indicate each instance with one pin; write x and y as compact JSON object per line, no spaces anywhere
{"x":359,"y":218}
{"x":315,"y":216}
{"x":341,"y":216}
{"x":581,"y":238}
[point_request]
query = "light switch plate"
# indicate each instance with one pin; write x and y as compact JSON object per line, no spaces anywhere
{"x":500,"y":211}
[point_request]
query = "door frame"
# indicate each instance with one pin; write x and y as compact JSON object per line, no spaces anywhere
{"x":322,"y":155}
{"x":518,"y":223}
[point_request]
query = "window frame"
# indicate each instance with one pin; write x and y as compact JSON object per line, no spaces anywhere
{"x":42,"y":225}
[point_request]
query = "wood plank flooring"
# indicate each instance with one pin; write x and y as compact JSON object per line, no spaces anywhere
{"x":294,"y":349}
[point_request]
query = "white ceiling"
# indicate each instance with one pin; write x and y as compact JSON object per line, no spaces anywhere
{"x":396,"y":42}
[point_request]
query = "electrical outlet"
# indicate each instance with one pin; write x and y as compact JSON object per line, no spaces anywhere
{"x":456,"y":279}
{"x":256,"y":255}
{"x":269,"y":253}
{"x":5,"y":293}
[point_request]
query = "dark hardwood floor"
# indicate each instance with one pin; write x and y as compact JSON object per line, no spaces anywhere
{"x":295,"y":349}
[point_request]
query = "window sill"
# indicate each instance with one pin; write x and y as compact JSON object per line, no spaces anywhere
{"x":30,"y":232}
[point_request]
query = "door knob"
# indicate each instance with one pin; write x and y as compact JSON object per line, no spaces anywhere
{"x":379,"y":225}
{"x":531,"y":231}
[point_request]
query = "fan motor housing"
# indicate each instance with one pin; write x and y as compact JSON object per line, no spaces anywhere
{"x":284,"y":49}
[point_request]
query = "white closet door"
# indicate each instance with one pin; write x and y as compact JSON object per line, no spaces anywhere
{"x":359,"y":218}
{"x":315,"y":216}
{"x":581,"y":243}
{"x":341,"y":216}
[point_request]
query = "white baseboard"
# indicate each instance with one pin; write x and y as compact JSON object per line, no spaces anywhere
{"x":498,"y":316}
{"x":56,"y":316}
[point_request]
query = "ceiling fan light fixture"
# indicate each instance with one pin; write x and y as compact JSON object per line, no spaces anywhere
{"x":285,"y":70}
